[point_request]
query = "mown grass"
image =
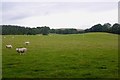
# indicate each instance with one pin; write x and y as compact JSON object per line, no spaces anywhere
{"x":90,"y":55}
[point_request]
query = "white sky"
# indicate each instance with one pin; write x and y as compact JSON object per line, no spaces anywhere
{"x":59,"y":0}
{"x":59,"y":14}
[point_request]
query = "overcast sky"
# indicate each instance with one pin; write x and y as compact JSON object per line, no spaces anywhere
{"x":79,"y":15}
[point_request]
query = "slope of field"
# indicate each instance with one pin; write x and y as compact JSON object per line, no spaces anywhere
{"x":90,"y":55}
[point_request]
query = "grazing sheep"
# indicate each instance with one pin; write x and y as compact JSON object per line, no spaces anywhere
{"x":8,"y":46}
{"x":27,"y":42}
{"x":21,"y":50}
{"x":4,"y":37}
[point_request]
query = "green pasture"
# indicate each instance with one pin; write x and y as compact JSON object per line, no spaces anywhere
{"x":89,"y":55}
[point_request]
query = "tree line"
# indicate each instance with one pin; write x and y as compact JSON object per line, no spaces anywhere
{"x":105,"y":28}
{"x":45,"y":30}
{"x":19,"y":30}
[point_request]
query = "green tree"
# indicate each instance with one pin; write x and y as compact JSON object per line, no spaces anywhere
{"x":52,"y":30}
{"x":96,"y":28}
{"x":45,"y":30}
{"x":115,"y":28}
{"x":106,"y":27}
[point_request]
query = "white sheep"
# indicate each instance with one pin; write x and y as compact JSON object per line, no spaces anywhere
{"x":27,"y":42}
{"x":21,"y":50}
{"x":8,"y":46}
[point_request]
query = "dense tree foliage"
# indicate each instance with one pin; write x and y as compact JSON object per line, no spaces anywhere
{"x":45,"y":30}
{"x":105,"y":28}
{"x":115,"y":29}
{"x":96,"y":28}
{"x":20,"y":30}
{"x":66,"y":31}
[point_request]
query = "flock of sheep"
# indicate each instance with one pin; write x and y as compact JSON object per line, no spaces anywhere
{"x":21,"y":50}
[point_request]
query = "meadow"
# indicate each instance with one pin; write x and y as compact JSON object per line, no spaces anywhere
{"x":89,"y":55}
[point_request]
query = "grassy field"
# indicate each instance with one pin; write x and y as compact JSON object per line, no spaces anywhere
{"x":90,"y":55}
